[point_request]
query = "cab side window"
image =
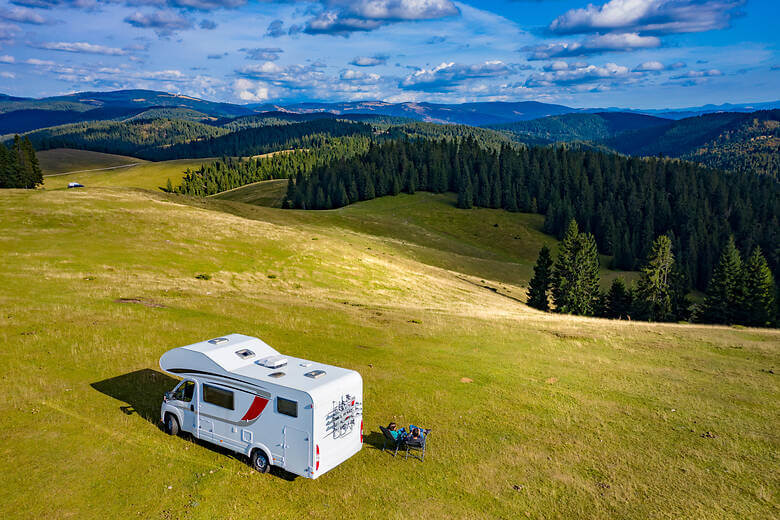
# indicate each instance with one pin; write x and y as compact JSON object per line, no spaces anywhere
{"x":185,"y":391}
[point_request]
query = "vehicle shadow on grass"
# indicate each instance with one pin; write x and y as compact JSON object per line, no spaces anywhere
{"x":143,"y":390}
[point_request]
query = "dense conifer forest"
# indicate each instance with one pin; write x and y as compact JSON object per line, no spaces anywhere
{"x":19,"y":166}
{"x":165,"y":139}
{"x":624,"y":202}
{"x":230,"y":172}
{"x":260,"y":140}
{"x":138,"y":138}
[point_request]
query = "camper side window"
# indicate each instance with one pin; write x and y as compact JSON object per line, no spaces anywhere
{"x":218,"y":396}
{"x":287,"y":407}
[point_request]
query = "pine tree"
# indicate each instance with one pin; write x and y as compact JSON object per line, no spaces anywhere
{"x":758,"y":306}
{"x":540,"y":283}
{"x":575,"y":280}
{"x":654,"y":288}
{"x":618,"y":301}
{"x":466,"y":193}
{"x":562,"y":278}
{"x":169,"y":186}
{"x":319,"y":202}
{"x":722,"y":299}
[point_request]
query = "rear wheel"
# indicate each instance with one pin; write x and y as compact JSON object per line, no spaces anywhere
{"x":171,"y":424}
{"x":259,"y":461}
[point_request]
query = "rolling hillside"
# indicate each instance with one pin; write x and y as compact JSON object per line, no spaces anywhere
{"x":534,"y":415}
{"x":140,"y":174}
{"x":60,"y":161}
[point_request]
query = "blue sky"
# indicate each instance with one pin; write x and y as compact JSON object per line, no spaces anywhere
{"x":609,"y":53}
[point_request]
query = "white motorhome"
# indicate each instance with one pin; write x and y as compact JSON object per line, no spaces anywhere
{"x":240,"y":393}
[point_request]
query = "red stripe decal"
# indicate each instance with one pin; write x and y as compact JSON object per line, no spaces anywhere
{"x":257,"y":407}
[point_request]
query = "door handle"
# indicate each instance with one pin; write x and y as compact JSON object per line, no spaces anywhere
{"x":192,"y":407}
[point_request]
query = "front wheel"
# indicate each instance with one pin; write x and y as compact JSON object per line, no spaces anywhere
{"x":259,"y":461}
{"x":171,"y":424}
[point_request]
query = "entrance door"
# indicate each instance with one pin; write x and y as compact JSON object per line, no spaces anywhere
{"x":297,"y":449}
{"x":205,"y":429}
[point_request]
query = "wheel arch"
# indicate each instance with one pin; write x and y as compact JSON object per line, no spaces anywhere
{"x":176,"y":414}
{"x":264,"y":449}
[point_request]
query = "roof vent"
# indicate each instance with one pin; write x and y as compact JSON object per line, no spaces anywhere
{"x":218,"y":341}
{"x":314,"y":374}
{"x":272,"y":361}
{"x":276,"y":374}
{"x":245,"y":353}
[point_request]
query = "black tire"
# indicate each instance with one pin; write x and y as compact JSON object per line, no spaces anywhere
{"x":259,"y":461}
{"x":171,"y":424}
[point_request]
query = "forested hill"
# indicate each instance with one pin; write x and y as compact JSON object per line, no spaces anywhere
{"x":137,"y":138}
{"x":735,"y":141}
{"x":255,"y":141}
{"x":164,"y":139}
{"x":624,"y":202}
{"x":678,"y":138}
{"x":579,"y":127}
{"x":20,"y":121}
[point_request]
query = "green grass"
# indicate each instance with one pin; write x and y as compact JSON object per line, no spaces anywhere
{"x":264,"y":193}
{"x":565,"y":418}
{"x":148,"y":175}
{"x":497,"y":246}
{"x":63,"y":160}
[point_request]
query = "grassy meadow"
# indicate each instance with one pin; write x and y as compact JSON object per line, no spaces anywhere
{"x":61,"y":161}
{"x":264,"y":193}
{"x":147,"y":175}
{"x":534,"y":415}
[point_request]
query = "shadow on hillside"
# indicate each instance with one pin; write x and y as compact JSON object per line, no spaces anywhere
{"x":143,"y":390}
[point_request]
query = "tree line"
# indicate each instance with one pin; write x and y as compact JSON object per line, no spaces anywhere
{"x":232,"y":172}
{"x":624,"y":202}
{"x":738,"y":293}
{"x":19,"y":166}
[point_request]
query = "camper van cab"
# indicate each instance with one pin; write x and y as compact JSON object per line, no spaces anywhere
{"x":240,"y":393}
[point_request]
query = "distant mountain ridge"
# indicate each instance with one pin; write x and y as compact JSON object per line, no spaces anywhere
{"x":473,"y":114}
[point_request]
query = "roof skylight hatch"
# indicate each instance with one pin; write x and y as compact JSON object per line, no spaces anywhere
{"x":272,"y":361}
{"x":245,"y":353}
{"x":314,"y":374}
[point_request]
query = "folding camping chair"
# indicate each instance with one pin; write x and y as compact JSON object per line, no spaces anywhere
{"x":392,"y":441}
{"x":418,"y":445}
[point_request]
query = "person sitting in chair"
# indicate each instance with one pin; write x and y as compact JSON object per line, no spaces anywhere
{"x":397,"y":434}
{"x":415,"y":436}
